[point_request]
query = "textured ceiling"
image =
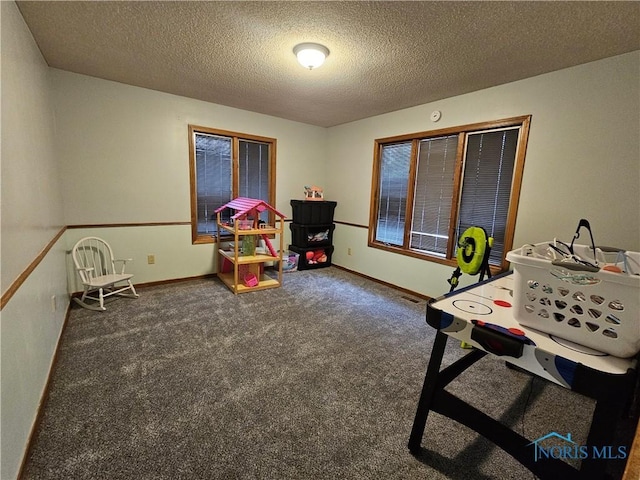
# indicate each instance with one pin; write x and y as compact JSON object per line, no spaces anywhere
{"x":385,"y":56}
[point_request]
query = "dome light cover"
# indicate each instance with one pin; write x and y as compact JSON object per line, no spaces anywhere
{"x":311,"y":55}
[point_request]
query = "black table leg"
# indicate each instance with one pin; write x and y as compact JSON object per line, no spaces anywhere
{"x":428,"y":391}
{"x":601,"y":436}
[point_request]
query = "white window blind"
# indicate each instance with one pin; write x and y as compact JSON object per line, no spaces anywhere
{"x":253,"y":170}
{"x":486,"y":188}
{"x":214,"y":175}
{"x":395,"y":160}
{"x":433,"y":194}
{"x":213,"y":178}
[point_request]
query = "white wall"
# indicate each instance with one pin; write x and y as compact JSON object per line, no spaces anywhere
{"x":31,"y":218}
{"x":31,"y":199}
{"x":124,"y":159}
{"x":124,"y":154}
{"x":175,"y":257}
{"x":583,"y":161}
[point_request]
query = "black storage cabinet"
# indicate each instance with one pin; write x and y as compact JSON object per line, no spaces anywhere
{"x":312,"y":231}
{"x":305,"y":264}
{"x":313,"y":212}
{"x":311,"y":235}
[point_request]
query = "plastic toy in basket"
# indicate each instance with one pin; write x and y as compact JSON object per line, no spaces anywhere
{"x":290,"y":262}
{"x":568,"y":292}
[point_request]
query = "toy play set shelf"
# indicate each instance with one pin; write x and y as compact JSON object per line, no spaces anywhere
{"x":243,"y":272}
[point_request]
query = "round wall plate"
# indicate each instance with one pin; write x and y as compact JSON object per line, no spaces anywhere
{"x":435,"y":115}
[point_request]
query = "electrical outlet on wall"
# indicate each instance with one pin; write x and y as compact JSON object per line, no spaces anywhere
{"x":151,"y":259}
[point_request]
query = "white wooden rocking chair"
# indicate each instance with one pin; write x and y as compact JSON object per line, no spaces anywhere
{"x":96,"y":266}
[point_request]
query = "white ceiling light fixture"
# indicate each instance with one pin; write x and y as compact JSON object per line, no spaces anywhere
{"x":311,"y":55}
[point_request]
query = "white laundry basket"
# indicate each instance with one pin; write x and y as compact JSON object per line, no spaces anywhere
{"x":598,"y":309}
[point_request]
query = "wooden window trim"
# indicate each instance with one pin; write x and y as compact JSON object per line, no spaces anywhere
{"x":523,"y":122}
{"x":236,"y":138}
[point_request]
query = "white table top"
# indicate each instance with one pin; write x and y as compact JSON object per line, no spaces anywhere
{"x":548,"y":356}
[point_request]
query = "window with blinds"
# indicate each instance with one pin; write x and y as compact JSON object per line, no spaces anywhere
{"x":392,"y":203}
{"x":225,"y":165}
{"x":253,"y":171}
{"x":433,"y":195}
{"x":213,"y":179}
{"x":486,"y":187}
{"x":432,"y":186}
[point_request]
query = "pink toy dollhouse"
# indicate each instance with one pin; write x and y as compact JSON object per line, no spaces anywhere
{"x":245,"y":271}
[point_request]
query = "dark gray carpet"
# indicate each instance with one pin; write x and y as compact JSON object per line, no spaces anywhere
{"x":318,"y":379}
